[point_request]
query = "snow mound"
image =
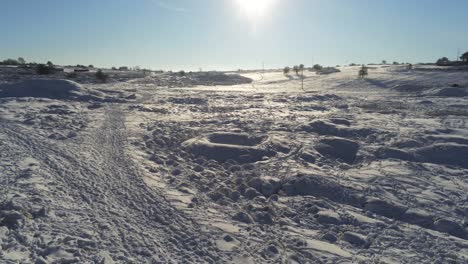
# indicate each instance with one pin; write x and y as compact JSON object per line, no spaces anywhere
{"x":417,"y":217}
{"x":385,"y":208}
{"x":451,"y":92}
{"x":393,"y":153}
{"x":320,"y":187}
{"x":40,"y":88}
{"x":450,"y":227}
{"x":338,"y":148}
{"x":336,"y":128}
{"x":48,"y":88}
{"x":354,"y":238}
{"x":225,"y":146}
{"x":440,"y":153}
{"x":449,"y":154}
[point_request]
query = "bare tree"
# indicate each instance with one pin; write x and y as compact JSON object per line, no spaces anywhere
{"x":296,"y":69}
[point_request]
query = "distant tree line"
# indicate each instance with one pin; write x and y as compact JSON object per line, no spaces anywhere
{"x":444,"y":61}
{"x":464,"y":57}
{"x":13,"y":62}
{"x":299,"y":69}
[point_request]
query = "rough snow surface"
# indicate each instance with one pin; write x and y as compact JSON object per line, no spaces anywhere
{"x":157,"y":170}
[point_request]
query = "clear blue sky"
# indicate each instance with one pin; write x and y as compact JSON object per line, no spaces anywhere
{"x":219,"y":34}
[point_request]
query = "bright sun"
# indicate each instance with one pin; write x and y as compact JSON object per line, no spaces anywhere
{"x":255,"y":9}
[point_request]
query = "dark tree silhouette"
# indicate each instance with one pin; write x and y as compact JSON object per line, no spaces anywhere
{"x":317,"y":67}
{"x":286,"y":70}
{"x":296,"y":69}
{"x":101,"y":76}
{"x":363,"y":72}
{"x":444,"y":61}
{"x":9,"y":62}
{"x":464,"y":57}
{"x":43,"y":69}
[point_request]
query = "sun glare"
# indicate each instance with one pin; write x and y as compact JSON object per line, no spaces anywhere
{"x":255,"y":9}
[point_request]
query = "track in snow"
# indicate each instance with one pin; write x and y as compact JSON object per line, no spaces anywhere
{"x":97,"y":201}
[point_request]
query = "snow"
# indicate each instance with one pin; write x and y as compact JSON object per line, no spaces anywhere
{"x":217,"y":168}
{"x":40,"y":88}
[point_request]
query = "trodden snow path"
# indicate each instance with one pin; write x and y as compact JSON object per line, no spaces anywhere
{"x":90,"y":202}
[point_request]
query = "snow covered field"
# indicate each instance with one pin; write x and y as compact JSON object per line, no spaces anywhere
{"x":171,"y":169}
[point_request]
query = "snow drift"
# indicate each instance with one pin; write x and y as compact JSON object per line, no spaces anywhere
{"x":49,"y":88}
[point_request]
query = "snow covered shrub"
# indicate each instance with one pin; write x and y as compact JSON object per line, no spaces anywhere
{"x":43,"y":69}
{"x":363,"y":72}
{"x":101,"y":76}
